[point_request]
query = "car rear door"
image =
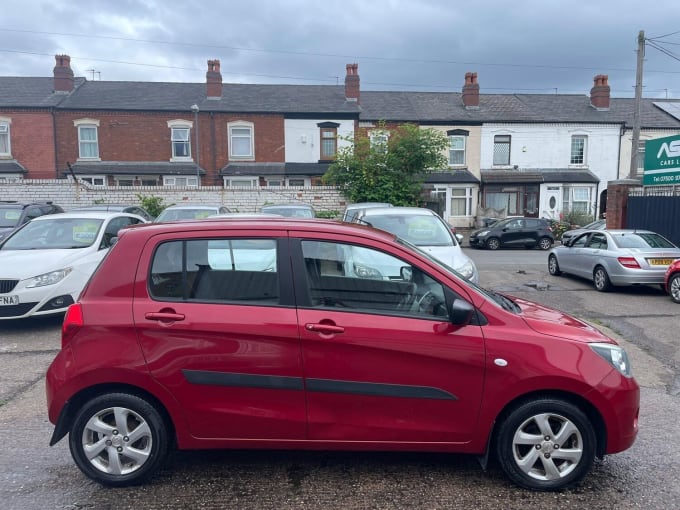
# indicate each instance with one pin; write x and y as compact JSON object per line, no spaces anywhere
{"x":378,"y":370}
{"x":217,"y":325}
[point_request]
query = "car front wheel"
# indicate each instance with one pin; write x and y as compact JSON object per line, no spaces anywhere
{"x":674,"y":288}
{"x":601,"y":279}
{"x":546,"y":444}
{"x":553,"y":266}
{"x":493,"y":243}
{"x":118,"y":439}
{"x":544,"y":243}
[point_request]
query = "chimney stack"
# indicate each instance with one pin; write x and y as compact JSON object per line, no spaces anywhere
{"x":213,"y":80}
{"x":599,"y":94}
{"x":63,"y":75}
{"x":352,"y":83}
{"x":471,"y":92}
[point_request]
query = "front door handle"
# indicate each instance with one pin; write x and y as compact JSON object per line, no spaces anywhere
{"x":325,"y":329}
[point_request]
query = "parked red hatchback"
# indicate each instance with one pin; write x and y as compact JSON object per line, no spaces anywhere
{"x":306,"y":334}
{"x":672,"y":281}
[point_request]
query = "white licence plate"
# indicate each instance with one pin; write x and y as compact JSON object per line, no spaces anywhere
{"x":9,"y":300}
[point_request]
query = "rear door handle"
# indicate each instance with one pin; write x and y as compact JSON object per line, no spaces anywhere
{"x":326,"y":329}
{"x":164,"y":316}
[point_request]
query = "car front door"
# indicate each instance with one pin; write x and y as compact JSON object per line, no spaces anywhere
{"x":217,"y":325}
{"x":571,"y":256}
{"x":512,"y":233}
{"x":382,"y":362}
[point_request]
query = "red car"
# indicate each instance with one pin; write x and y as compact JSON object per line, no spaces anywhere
{"x":672,"y":281}
{"x":310,"y":334}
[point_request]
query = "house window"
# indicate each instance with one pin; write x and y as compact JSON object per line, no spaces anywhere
{"x":295,"y":182}
{"x":461,"y":202}
{"x":4,"y":139}
{"x":578,"y":150}
{"x":641,"y":158}
{"x":176,"y":181}
{"x":457,"y":150}
{"x":146,"y":181}
{"x":379,"y":140}
{"x":241,"y":141}
{"x":241,"y":182}
{"x":576,"y":199}
{"x":94,"y":180}
{"x":329,"y":142}
{"x":181,"y":144}
{"x":501,"y":150}
{"x":274,"y":182}
{"x":124,"y":181}
{"x":88,"y":143}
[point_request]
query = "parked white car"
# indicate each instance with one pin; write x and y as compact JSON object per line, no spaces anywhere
{"x":45,"y":264}
{"x":425,"y":229}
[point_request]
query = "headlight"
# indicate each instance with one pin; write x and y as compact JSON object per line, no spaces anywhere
{"x":367,"y":272}
{"x":467,"y":270}
{"x":482,"y":233}
{"x":614,"y":355}
{"x":49,"y":278}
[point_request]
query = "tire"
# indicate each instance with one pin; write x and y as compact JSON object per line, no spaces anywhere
{"x":674,"y":287}
{"x":128,"y":434}
{"x":493,"y":243}
{"x":601,"y":279}
{"x":544,"y":243}
{"x":531,"y":441}
{"x":553,"y":266}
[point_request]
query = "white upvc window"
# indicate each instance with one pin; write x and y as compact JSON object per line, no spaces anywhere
{"x":275,"y":181}
{"x":457,"y":150}
{"x":579,"y":144}
{"x":461,"y":202}
{"x":241,"y":182}
{"x":501,"y":150}
{"x":577,"y":199}
{"x":88,"y":138}
{"x":93,"y":180}
{"x":379,"y":139}
{"x":180,"y":181}
{"x":296,"y":181}
{"x":241,"y":146}
{"x":5,"y":146}
{"x":180,"y":139}
{"x":124,"y":181}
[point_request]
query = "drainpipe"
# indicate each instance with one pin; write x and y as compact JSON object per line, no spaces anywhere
{"x":212,"y":146}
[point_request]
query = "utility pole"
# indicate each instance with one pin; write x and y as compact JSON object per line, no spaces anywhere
{"x":635,"y":143}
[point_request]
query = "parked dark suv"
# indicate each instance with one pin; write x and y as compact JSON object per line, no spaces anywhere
{"x":526,"y":232}
{"x":15,"y":214}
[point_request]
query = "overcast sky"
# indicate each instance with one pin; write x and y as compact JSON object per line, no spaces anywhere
{"x":533,"y":46}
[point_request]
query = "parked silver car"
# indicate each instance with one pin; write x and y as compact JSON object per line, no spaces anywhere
{"x":615,"y":257}
{"x":425,"y":229}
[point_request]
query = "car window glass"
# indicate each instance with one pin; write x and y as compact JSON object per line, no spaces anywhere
{"x":216,"y":270}
{"x":32,"y":212}
{"x":66,"y":233}
{"x":416,"y":229}
{"x":352,"y":278}
{"x":642,"y":240}
{"x":597,"y":241}
{"x":9,"y":217}
{"x":580,"y":241}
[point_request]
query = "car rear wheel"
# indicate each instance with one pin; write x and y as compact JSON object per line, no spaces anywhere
{"x":674,"y":287}
{"x":544,"y":243}
{"x":553,"y":266}
{"x":118,"y":439}
{"x":601,"y":279}
{"x":493,"y":244}
{"x":546,"y":444}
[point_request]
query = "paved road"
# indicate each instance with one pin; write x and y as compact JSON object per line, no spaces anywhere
{"x":33,"y":475}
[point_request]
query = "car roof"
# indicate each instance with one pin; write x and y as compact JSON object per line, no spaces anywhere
{"x":395,"y":211}
{"x":194,"y":206}
{"x":96,"y":215}
{"x":362,"y":205}
{"x":12,"y":203}
{"x":301,"y":206}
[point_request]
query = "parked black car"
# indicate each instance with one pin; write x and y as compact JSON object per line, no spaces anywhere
{"x":15,"y":214}
{"x":510,"y":232}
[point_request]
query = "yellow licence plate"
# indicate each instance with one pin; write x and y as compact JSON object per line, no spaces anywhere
{"x":660,"y":262}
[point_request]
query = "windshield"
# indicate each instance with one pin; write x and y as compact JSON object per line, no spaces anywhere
{"x":292,"y":212}
{"x":641,"y":240}
{"x":417,"y":230}
{"x":63,"y":233}
{"x":9,"y":216}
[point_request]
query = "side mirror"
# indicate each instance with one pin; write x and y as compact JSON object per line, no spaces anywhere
{"x":406,"y":273}
{"x":461,"y":312}
{"x":459,"y":238}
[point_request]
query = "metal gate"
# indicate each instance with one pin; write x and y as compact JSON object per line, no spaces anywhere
{"x":660,"y":214}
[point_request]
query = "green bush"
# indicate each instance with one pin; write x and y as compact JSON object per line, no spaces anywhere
{"x":153,"y":204}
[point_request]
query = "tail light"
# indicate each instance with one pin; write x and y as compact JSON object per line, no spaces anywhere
{"x":73,"y":321}
{"x":629,"y":262}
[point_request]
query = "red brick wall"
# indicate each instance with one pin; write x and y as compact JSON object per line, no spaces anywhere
{"x":32,"y":143}
{"x":617,"y":202}
{"x":146,"y":137}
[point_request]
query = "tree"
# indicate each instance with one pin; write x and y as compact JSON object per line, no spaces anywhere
{"x":392,"y":171}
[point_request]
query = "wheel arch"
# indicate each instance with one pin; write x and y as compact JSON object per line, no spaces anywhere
{"x":70,"y":409}
{"x":588,"y":408}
